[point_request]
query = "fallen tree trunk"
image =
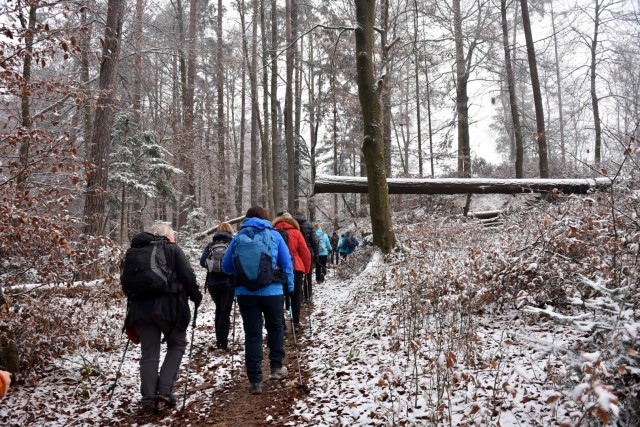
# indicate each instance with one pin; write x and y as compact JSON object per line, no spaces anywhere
{"x":350,"y":184}
{"x":212,"y":230}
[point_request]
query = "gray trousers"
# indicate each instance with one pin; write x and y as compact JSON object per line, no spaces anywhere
{"x":152,"y":383}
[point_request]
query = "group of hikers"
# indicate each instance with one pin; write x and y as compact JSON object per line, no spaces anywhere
{"x":265,"y":267}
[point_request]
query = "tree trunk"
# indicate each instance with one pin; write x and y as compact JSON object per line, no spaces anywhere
{"x":513,"y":100}
{"x":85,"y":45}
{"x":288,"y":110}
{"x":136,"y":224}
{"x":267,"y":188}
{"x":96,"y":192}
{"x":349,"y":184}
{"x":416,"y":53}
{"x":462,"y":97}
{"x":223,"y":205}
{"x":297,"y":71}
{"x":253,"y":73}
{"x":313,"y":125}
{"x":275,"y":135}
{"x":369,"y":90}
{"x":386,"y":92}
{"x":243,"y":114}
{"x":335,"y":144}
{"x":558,"y":83}
{"x":537,"y":95}
{"x":597,"y":125}
{"x":428,"y":87}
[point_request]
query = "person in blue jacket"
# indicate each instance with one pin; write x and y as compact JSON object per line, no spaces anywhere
{"x":324,"y":247}
{"x":347,"y":244}
{"x":267,"y":301}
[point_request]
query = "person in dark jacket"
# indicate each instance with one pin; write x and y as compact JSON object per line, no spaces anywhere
{"x":333,"y":255}
{"x":266,"y":301}
{"x":220,"y":286}
{"x":165,"y":314}
{"x":312,"y":243}
{"x":301,"y":261}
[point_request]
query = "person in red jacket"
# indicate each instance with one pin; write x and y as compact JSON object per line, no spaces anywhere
{"x":301,"y":260}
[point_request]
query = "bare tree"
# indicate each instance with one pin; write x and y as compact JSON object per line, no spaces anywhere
{"x":288,"y":109}
{"x":220,"y":122}
{"x":369,"y":91}
{"x":95,"y":200}
{"x":275,"y":135}
{"x":537,"y":95}
{"x":513,"y":100}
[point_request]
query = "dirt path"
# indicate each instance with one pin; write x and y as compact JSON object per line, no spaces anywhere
{"x":235,"y":405}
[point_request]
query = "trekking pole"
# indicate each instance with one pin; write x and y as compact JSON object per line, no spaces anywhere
{"x":309,"y":319}
{"x":113,"y":386}
{"x":186,"y":382}
{"x":295,"y":344}
{"x":233,"y":336}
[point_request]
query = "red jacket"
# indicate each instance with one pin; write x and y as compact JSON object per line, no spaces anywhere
{"x":297,"y":245}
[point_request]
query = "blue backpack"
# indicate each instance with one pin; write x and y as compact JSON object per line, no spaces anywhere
{"x":252,"y":260}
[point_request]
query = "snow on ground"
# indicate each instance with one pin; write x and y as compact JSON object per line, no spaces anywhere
{"x":364,"y":373}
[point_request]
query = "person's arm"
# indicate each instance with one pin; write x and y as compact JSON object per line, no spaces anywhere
{"x":203,"y":257}
{"x":285,"y":260}
{"x":187,"y":277}
{"x":328,"y":242}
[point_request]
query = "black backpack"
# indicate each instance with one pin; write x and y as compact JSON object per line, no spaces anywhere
{"x":145,"y":271}
{"x":216,"y":253}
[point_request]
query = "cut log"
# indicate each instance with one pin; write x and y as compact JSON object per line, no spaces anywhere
{"x":212,"y":230}
{"x":350,"y":184}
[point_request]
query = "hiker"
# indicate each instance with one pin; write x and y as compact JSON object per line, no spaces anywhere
{"x":347,"y":244}
{"x":333,"y":253}
{"x":167,"y":314}
{"x":312,"y":243}
{"x":260,"y":293}
{"x":218,"y":283}
{"x":301,"y":260}
{"x":324,"y":246}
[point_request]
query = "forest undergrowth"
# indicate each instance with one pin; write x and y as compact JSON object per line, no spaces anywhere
{"x":465,"y":295}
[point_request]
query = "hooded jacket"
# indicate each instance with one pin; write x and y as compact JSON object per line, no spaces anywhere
{"x":321,"y":236}
{"x":306,"y":228}
{"x":173,"y":307}
{"x":279,"y":251}
{"x":297,"y":244}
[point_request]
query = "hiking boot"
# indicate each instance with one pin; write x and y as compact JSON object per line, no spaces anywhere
{"x":166,"y":401}
{"x":221,"y":346}
{"x":279,"y":373}
{"x":148,"y":408}
{"x":256,"y":388}
{"x":297,"y":327}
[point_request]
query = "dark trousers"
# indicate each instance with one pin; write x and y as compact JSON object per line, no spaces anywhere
{"x":321,"y":270}
{"x":222,"y":295}
{"x":307,"y":290}
{"x":296,"y":300}
{"x":152,"y":382}
{"x":252,"y":308}
{"x":334,"y":256}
